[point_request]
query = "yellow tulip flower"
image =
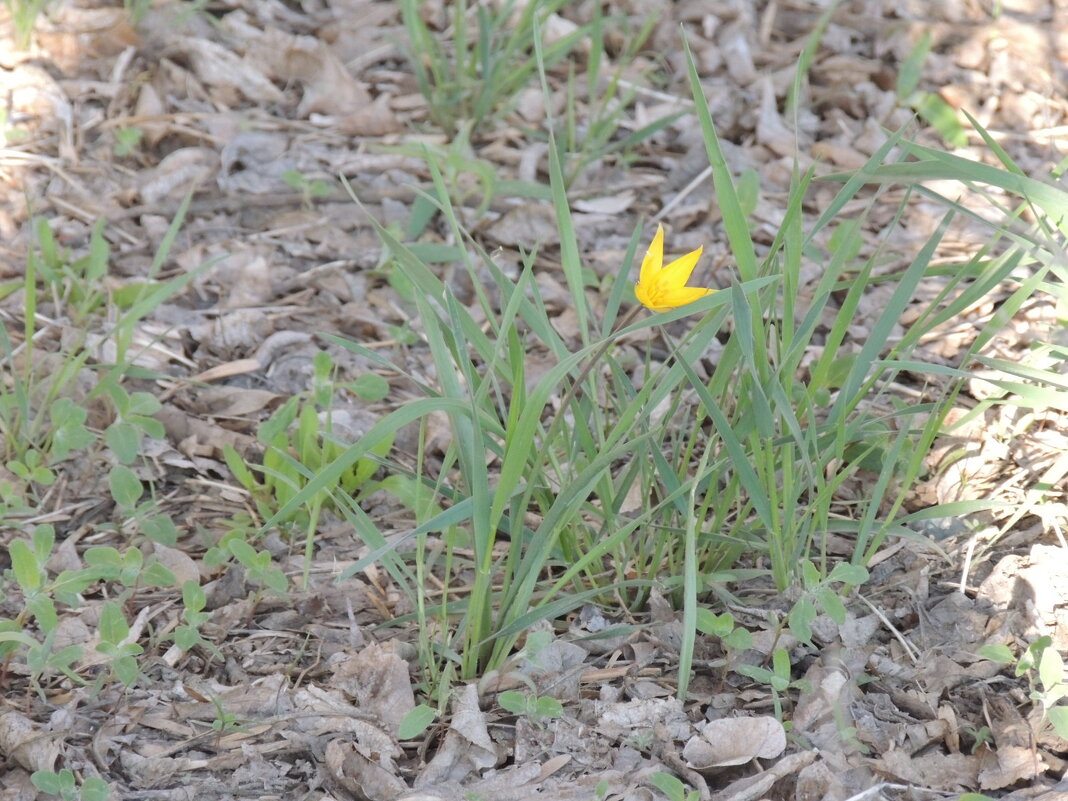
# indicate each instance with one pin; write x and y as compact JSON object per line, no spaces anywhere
{"x":663,"y":288}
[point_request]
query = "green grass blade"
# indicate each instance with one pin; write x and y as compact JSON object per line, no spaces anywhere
{"x":734,"y":222}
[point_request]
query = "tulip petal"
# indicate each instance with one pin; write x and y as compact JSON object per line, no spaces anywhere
{"x":683,"y":296}
{"x":645,"y":296}
{"x":654,"y":258}
{"x":661,"y":288}
{"x":679,"y":271}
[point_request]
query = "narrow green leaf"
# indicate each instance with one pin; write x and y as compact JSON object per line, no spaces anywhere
{"x":570,"y":258}
{"x":943,"y":118}
{"x":669,"y":785}
{"x":734,"y":220}
{"x":912,"y":68}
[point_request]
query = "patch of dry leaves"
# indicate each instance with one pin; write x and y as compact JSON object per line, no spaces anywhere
{"x":894,"y":698}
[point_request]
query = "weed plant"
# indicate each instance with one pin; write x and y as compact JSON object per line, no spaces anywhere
{"x":45,"y":431}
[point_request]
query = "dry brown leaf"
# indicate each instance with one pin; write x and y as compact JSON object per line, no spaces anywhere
{"x":738,"y":55}
{"x":373,"y":119}
{"x":467,"y":748}
{"x":247,"y":276}
{"x":333,"y":97}
{"x":75,"y":35}
{"x":230,"y":333}
{"x":770,"y":129}
{"x":229,"y":370}
{"x":612,"y":204}
{"x":948,"y":772}
{"x":528,"y":226}
{"x":839,"y":154}
{"x":153,"y":770}
{"x":328,"y":86}
{"x":29,"y":91}
{"x":233,"y":401}
{"x":365,"y":767}
{"x":621,"y":719}
{"x":214,"y":65}
{"x":254,"y":162}
{"x":378,"y":679}
{"x":181,"y":426}
{"x":1008,"y":765}
{"x":1034,"y":590}
{"x":27,"y":743}
{"x":735,"y":741}
{"x":149,"y":105}
{"x":753,"y":788}
{"x":832,"y":692}
{"x":818,"y":781}
{"x":177,"y":174}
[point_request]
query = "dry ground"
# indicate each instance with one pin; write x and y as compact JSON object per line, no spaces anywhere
{"x":231,"y":99}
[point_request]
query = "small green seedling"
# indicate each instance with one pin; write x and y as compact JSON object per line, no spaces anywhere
{"x":722,"y":627}
{"x":309,"y":188}
{"x":537,"y":709}
{"x":673,"y":788}
{"x":41,"y":594}
{"x":224,"y":721}
{"x":114,"y":631}
{"x":1043,"y":666}
{"x":300,"y":442}
{"x":981,"y":736}
{"x":818,"y":594}
{"x":66,"y":786}
{"x":187,"y":635}
{"x":778,"y":678}
{"x":258,"y":564}
{"x":127,"y":140}
{"x":128,"y":568}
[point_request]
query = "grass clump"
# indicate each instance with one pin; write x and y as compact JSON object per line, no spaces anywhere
{"x":23,"y":15}
{"x":477,"y":72}
{"x":584,"y":486}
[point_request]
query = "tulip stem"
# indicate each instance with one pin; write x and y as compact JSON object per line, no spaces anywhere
{"x":569,"y":396}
